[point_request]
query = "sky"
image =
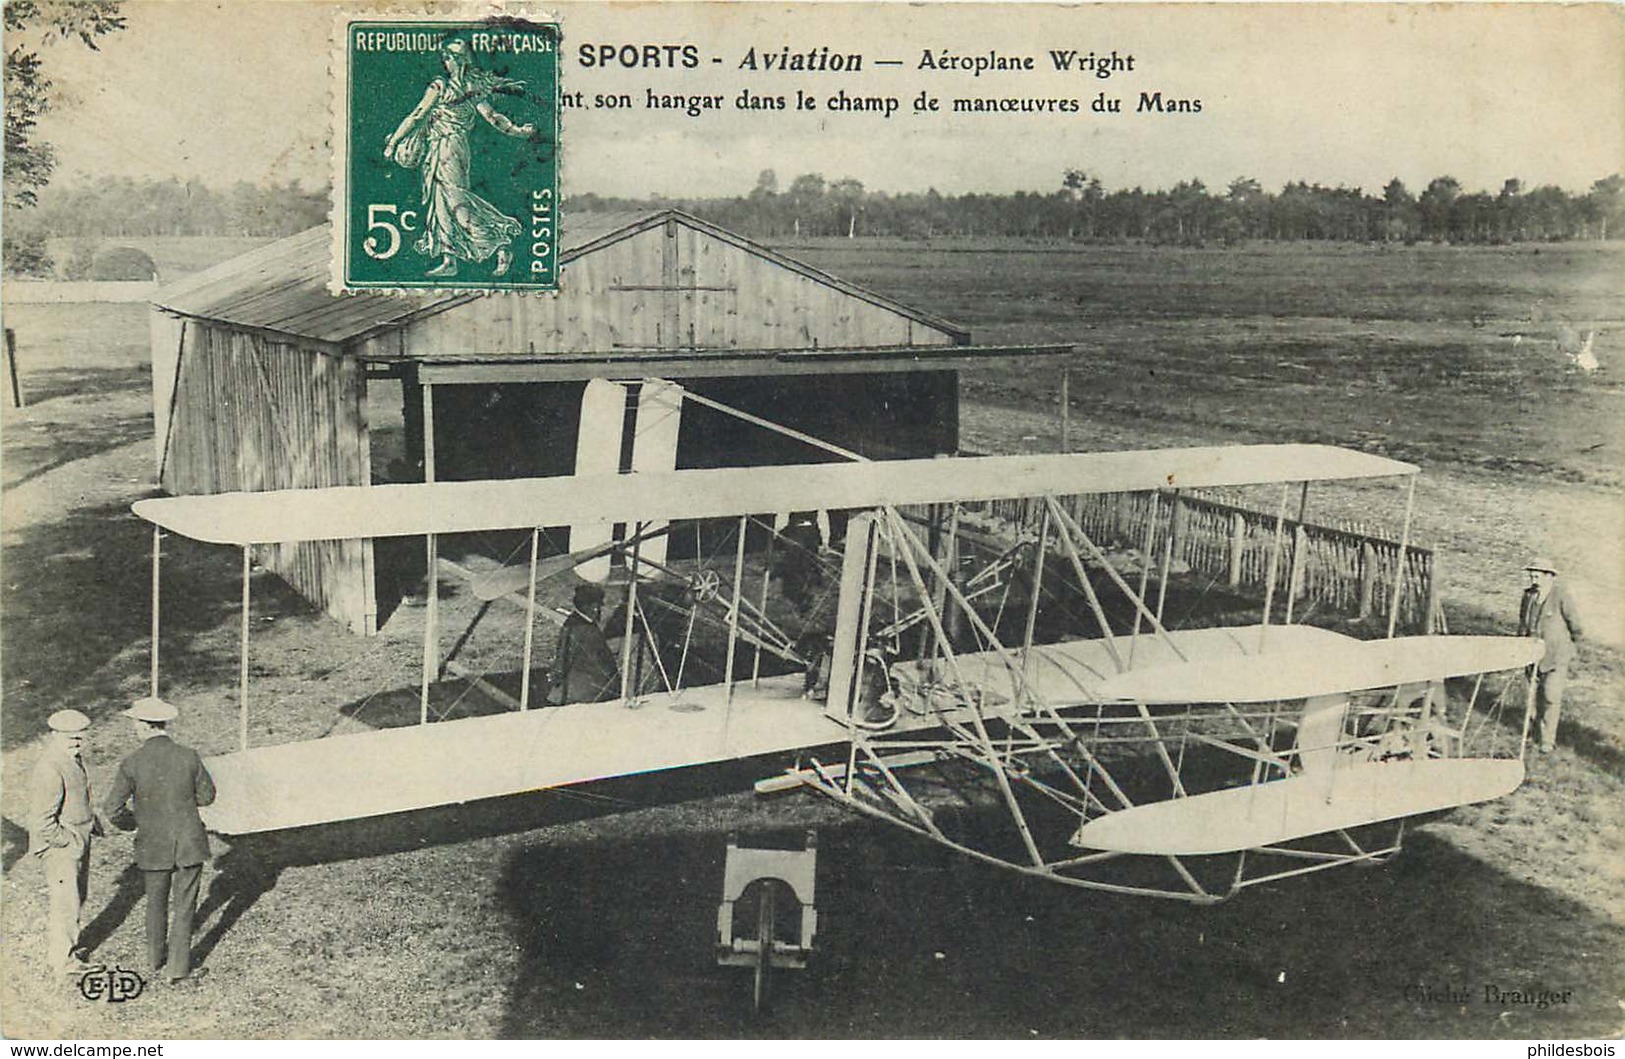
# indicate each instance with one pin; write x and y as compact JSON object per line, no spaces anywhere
{"x":1349,"y":94}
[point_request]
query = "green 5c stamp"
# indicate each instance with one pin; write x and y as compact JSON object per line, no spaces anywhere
{"x":447,"y":173}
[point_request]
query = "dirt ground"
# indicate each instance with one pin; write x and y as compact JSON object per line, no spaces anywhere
{"x":590,"y":913}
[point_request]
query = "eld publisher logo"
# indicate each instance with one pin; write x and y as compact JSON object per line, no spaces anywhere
{"x":112,"y":984}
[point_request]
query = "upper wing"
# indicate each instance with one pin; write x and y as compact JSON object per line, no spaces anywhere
{"x":347,"y":512}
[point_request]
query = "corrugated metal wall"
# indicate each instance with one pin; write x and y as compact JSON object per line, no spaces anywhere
{"x":252,"y":413}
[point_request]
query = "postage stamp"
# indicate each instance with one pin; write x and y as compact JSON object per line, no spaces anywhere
{"x":446,"y":168}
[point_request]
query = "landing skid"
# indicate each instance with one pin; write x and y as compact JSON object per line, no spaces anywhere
{"x":770,"y":874}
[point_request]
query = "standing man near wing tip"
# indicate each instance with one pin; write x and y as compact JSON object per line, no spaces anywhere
{"x":60,"y":825}
{"x":1548,"y":612}
{"x":168,"y":782}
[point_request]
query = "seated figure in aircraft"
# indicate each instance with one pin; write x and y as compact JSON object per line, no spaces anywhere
{"x":798,"y":571}
{"x":878,"y":705}
{"x":816,"y":603}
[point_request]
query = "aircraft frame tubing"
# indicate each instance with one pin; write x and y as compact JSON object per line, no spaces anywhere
{"x":1048,"y":871}
{"x":891,"y":801}
{"x":1064,"y":870}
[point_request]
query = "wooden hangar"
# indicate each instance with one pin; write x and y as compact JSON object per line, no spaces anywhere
{"x":263,"y":379}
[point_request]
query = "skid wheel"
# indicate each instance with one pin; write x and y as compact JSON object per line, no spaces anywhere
{"x":764,"y":945}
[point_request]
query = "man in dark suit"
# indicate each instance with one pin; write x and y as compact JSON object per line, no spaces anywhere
{"x":1546,"y":611}
{"x":584,"y":667}
{"x":168,"y":782}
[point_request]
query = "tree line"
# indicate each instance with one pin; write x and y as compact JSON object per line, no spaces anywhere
{"x":125,"y":208}
{"x":1081,"y":209}
{"x":1188,"y":214}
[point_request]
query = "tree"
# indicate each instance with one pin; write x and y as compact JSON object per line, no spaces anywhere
{"x":848,"y":196}
{"x":1086,"y":190}
{"x":1399,"y":211}
{"x":1191,"y":208}
{"x":807,"y":200}
{"x":29,"y":162}
{"x":1436,"y":202}
{"x":1550,"y":212}
{"x":1607,"y":200}
{"x":1509,"y":210}
{"x":25,"y":251}
{"x":1245,"y":207}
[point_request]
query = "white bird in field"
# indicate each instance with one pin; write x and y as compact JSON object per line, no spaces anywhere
{"x":1586,"y":360}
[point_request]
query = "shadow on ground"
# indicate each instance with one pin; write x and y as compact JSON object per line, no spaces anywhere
{"x":82,"y":384}
{"x":252,"y":864}
{"x":78,"y":596}
{"x":915,"y":942}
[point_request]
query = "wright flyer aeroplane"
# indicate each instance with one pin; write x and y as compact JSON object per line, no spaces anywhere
{"x":1010,"y":688}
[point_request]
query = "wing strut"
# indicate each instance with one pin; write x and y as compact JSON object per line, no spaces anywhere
{"x":628,"y":644}
{"x":1294,"y":580}
{"x":1095,"y":553}
{"x":431,"y":614}
{"x":157,"y":546}
{"x":530,"y":620}
{"x":1145,"y":568}
{"x":1109,"y":637}
{"x":899,"y":531}
{"x":1275,"y":562}
{"x":1032,"y":604}
{"x":734,"y":611}
{"x":242,"y":665}
{"x":1399,"y":566}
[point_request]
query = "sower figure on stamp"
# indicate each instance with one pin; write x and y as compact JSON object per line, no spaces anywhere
{"x":458,"y":225}
{"x":168,"y":782}
{"x":1548,"y":612}
{"x":60,"y":825}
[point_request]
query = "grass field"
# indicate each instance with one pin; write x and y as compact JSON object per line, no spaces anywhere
{"x":590,"y":913}
{"x":1433,"y":354}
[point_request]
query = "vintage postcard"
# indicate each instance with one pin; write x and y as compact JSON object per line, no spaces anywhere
{"x":812,"y":520}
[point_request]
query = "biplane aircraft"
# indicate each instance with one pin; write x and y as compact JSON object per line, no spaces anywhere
{"x":1009,"y":693}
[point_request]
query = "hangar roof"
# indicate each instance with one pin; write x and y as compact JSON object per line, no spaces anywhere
{"x":282,"y":288}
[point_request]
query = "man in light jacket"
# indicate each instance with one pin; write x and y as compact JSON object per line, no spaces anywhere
{"x":1548,"y":612}
{"x":60,"y":824}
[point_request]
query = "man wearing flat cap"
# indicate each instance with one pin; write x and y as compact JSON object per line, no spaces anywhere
{"x":60,"y":824}
{"x":1548,"y":612}
{"x":168,"y":782}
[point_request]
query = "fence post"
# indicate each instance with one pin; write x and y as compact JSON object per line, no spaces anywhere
{"x":11,"y":368}
{"x":1238,"y":537}
{"x":1300,"y":557}
{"x":1433,"y":616}
{"x":1066,"y":409}
{"x":1368,"y":577}
{"x":1177,"y":519}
